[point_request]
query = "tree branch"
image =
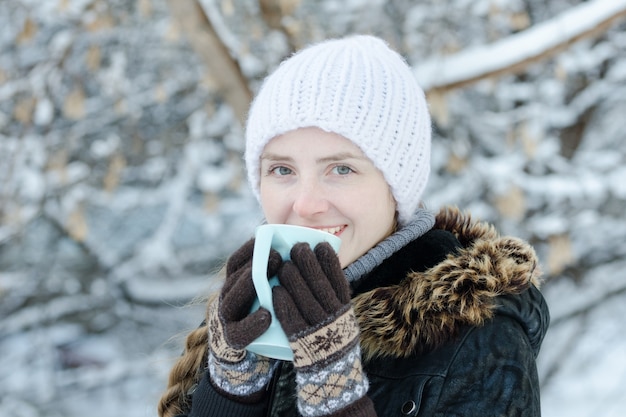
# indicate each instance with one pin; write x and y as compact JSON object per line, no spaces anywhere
{"x":231,"y":83}
{"x":272,"y":13}
{"x":515,"y":53}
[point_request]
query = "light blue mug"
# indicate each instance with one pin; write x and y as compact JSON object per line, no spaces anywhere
{"x":280,"y":237}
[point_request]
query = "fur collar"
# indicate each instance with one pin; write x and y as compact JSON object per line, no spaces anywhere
{"x":426,"y":309}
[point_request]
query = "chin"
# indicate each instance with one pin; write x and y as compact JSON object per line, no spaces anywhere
{"x":345,"y":260}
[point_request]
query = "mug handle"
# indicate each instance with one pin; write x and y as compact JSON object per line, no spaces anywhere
{"x":262,"y":245}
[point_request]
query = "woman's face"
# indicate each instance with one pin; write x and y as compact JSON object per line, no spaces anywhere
{"x":313,"y":178}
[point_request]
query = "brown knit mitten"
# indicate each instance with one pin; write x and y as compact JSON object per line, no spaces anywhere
{"x":235,"y":372}
{"x":313,"y":307}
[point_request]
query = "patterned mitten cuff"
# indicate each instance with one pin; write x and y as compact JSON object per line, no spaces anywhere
{"x":236,"y":372}
{"x":245,"y":378}
{"x":329,"y":371}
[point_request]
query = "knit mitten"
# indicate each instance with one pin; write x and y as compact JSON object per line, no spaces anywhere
{"x":235,"y":372}
{"x":313,"y":307}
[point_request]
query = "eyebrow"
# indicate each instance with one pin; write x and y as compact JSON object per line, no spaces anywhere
{"x":342,"y":156}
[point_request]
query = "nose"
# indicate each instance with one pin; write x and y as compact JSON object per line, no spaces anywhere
{"x":310,"y":199}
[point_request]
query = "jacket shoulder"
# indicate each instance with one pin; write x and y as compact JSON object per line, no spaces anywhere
{"x":453,"y":276}
{"x":496,"y":360}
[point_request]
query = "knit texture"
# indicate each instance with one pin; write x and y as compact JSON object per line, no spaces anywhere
{"x":329,"y":369}
{"x":324,"y":391}
{"x":313,"y":307}
{"x":244,"y":378}
{"x":321,"y":345}
{"x":422,"y":222}
{"x":356,"y":87}
{"x":235,"y":372}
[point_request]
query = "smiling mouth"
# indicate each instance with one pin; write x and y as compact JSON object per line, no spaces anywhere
{"x":332,"y":230}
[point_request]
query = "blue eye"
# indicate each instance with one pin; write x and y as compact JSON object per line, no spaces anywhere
{"x":342,"y":170}
{"x":281,"y":171}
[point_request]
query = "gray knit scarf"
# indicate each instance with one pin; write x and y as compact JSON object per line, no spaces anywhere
{"x":422,"y":222}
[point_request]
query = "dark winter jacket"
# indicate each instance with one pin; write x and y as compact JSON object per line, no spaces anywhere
{"x":450,"y":326}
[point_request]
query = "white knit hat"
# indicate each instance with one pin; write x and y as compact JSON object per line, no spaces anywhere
{"x":358,"y":88}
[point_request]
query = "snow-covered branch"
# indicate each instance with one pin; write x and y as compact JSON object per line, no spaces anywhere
{"x":516,"y":52}
{"x":206,"y":42}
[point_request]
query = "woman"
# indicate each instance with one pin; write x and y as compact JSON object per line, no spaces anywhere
{"x":417,"y":314}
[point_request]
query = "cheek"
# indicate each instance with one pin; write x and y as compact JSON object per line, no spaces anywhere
{"x":385,"y":208}
{"x":272,"y":205}
{"x":380,"y":217}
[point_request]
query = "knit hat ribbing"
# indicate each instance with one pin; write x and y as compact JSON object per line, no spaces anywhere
{"x":358,"y":88}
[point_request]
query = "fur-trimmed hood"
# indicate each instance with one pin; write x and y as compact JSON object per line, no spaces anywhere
{"x":429,"y":308}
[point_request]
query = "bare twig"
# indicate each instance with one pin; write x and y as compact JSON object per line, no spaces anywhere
{"x":232,"y":84}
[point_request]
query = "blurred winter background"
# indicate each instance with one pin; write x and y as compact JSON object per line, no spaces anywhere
{"x":122,"y":188}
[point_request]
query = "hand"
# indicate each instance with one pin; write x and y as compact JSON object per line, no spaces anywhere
{"x":313,"y":307}
{"x":234,"y":371}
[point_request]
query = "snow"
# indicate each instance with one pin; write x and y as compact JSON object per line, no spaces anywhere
{"x":527,"y":44}
{"x":590,"y":355}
